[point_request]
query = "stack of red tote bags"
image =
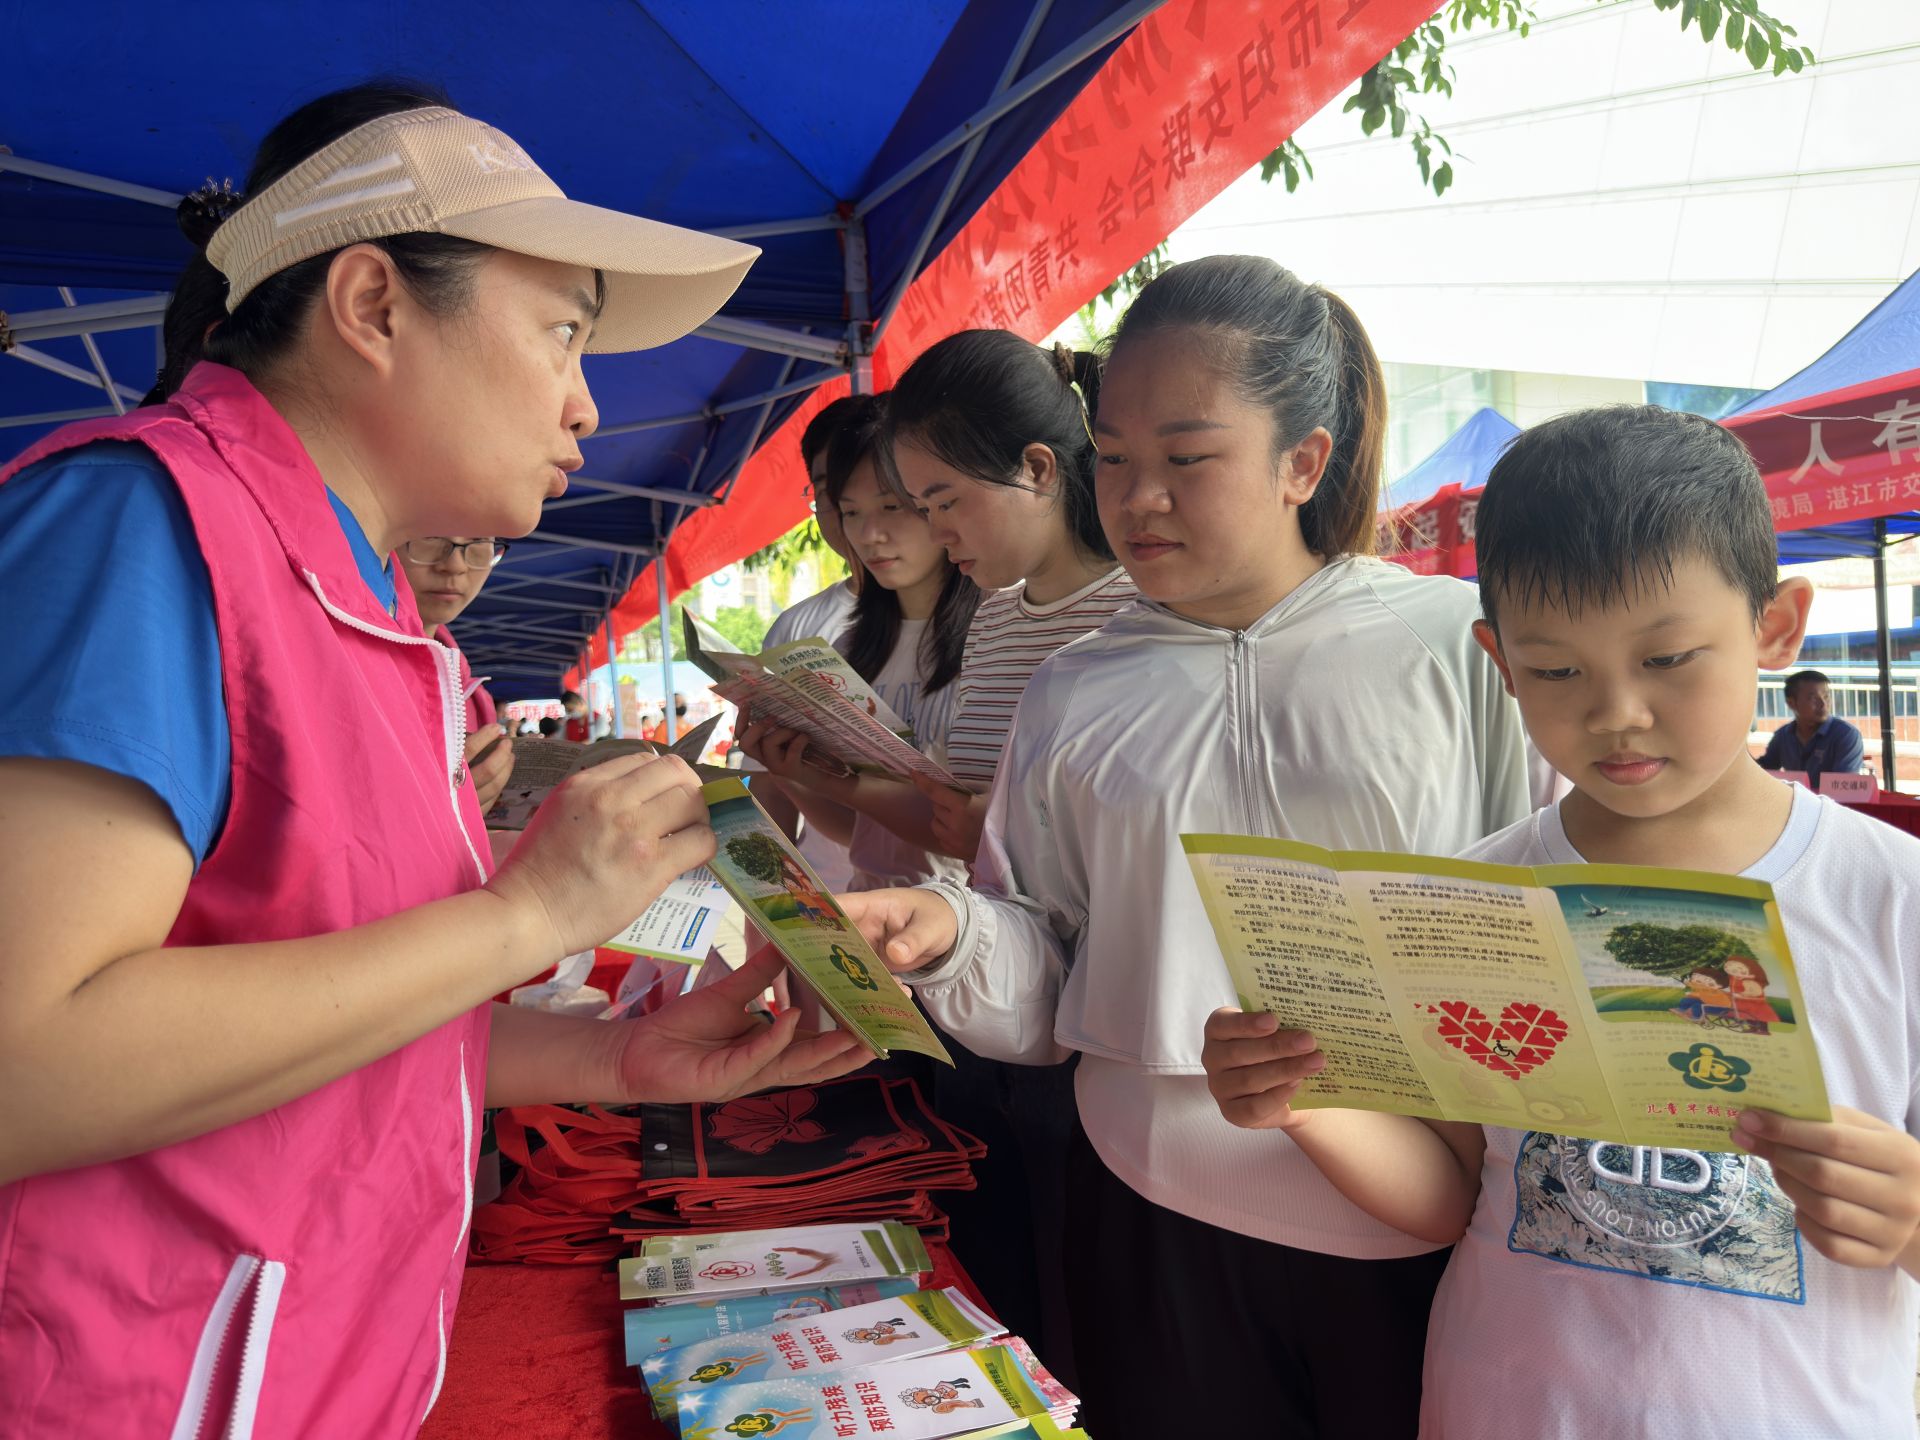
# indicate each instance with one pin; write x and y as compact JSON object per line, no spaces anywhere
{"x":591,"y":1181}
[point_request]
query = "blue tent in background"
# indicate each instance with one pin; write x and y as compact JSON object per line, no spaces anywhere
{"x":1883,"y":347}
{"x":851,"y":144}
{"x":1462,"y":459}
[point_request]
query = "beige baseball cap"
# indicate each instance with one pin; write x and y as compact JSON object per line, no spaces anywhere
{"x":440,"y":172}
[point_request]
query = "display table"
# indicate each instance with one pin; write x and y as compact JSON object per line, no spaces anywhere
{"x":538,"y":1354}
{"x":1900,"y":811}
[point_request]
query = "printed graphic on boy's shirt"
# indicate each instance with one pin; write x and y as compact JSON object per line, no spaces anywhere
{"x":1676,"y":957}
{"x":1687,"y":1217}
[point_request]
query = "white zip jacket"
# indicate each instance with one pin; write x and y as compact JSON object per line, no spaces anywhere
{"x":1357,"y":713}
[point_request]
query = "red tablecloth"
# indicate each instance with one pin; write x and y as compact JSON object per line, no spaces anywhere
{"x":1897,"y":810}
{"x":538,"y":1354}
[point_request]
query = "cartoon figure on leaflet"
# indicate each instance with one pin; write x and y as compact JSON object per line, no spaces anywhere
{"x":762,"y":858}
{"x":725,"y":1368}
{"x":942,"y":1399}
{"x":1748,"y":982}
{"x":1708,"y":997}
{"x":882,"y":1332}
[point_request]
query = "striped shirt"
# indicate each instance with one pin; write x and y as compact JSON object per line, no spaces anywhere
{"x":1005,"y":645}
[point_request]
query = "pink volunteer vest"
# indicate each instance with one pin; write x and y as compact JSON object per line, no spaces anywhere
{"x":294,"y":1274}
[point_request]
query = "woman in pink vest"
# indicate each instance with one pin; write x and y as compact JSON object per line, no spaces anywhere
{"x":250,"y":928}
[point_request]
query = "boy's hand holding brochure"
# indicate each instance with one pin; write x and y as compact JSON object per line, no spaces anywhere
{"x":1854,"y":1183}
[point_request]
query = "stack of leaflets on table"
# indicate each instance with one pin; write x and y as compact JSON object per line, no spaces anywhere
{"x":652,"y":1329}
{"x":539,"y":765}
{"x":674,"y":1267}
{"x":1618,"y":1003}
{"x":763,"y":871}
{"x":989,"y":1391}
{"x":808,"y":686}
{"x":902,"y":1327}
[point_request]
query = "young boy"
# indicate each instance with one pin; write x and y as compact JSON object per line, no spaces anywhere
{"x":1628,"y":580}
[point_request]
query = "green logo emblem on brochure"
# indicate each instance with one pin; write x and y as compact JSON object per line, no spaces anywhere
{"x":768,"y":1422}
{"x":853,"y":967}
{"x":724,"y":1369}
{"x":1708,"y":1067}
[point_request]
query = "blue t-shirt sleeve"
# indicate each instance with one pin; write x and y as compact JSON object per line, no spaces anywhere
{"x":112,"y":653}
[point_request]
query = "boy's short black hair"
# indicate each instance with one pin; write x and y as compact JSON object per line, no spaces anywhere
{"x":1588,"y":508}
{"x":1804,"y":677}
{"x":819,"y":432}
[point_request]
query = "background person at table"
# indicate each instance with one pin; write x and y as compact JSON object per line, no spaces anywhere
{"x":1815,"y":740}
{"x":577,"y":725}
{"x":446,"y":572}
{"x":908,"y":634}
{"x":823,"y":616}
{"x":244,"y":1037}
{"x":658,"y":734}
{"x":1274,"y":680}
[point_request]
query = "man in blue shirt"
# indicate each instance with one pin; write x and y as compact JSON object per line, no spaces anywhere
{"x":1815,"y":740}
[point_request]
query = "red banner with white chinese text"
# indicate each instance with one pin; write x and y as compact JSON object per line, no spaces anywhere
{"x":1199,"y":93}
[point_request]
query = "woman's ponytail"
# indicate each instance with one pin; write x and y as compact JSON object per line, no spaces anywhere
{"x":1351,"y":484}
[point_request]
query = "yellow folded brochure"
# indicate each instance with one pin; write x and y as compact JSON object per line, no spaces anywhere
{"x":1620,"y":1003}
{"x":764,"y":872}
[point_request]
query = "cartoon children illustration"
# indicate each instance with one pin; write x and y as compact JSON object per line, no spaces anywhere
{"x":942,"y":1399}
{"x":725,"y":1368}
{"x":1748,"y":983}
{"x":1707,"y":996}
{"x":882,"y":1332}
{"x":853,"y":967}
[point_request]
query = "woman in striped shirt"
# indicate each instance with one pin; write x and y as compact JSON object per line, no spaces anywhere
{"x":989,"y":437}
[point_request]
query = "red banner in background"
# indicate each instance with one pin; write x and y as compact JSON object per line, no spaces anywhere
{"x":1198,"y":94}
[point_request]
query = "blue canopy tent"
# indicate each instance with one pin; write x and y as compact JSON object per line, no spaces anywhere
{"x":1843,"y":411}
{"x":1462,"y":459}
{"x":850,"y":151}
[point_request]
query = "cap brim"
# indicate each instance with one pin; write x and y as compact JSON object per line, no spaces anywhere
{"x":663,"y":282}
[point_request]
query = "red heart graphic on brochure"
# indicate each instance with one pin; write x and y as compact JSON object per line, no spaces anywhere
{"x":1519,"y":1042}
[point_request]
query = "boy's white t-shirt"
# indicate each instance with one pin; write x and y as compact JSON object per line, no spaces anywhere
{"x":1666,"y":1295}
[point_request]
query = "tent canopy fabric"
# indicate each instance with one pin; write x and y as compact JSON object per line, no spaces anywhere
{"x":1464,"y":458}
{"x":859,"y":155}
{"x":741,"y":119}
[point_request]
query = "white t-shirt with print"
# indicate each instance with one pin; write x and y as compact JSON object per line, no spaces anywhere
{"x":1570,"y":1309}
{"x":880,"y":857}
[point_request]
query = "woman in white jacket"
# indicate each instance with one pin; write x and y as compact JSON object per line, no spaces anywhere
{"x":1274,"y":680}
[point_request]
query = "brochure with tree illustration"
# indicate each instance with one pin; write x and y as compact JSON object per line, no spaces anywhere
{"x":764,"y":872}
{"x":901,"y":1328}
{"x":653,"y":1328}
{"x":540,"y":765}
{"x":809,"y":686}
{"x":1619,"y":1003}
{"x":967,"y":1392}
{"x":677,"y":1267}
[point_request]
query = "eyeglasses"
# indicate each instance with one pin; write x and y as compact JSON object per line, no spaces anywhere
{"x":479,"y":554}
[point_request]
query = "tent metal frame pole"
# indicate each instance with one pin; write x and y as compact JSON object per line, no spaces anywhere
{"x":135,"y":314}
{"x":584,"y":542}
{"x":1012,"y":100}
{"x":776,"y":339}
{"x":859,"y":302}
{"x":761,"y":228}
{"x":643,"y":492}
{"x":536,"y":603}
{"x":55,"y":417}
{"x":515,"y":627}
{"x":666,"y":645}
{"x":746,"y":454}
{"x":80,"y":180}
{"x":570,"y":581}
{"x":1015,"y":59}
{"x":613,"y":677}
{"x":99,"y":361}
{"x":1883,"y":646}
{"x":745,"y":402}
{"x":54,"y":365}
